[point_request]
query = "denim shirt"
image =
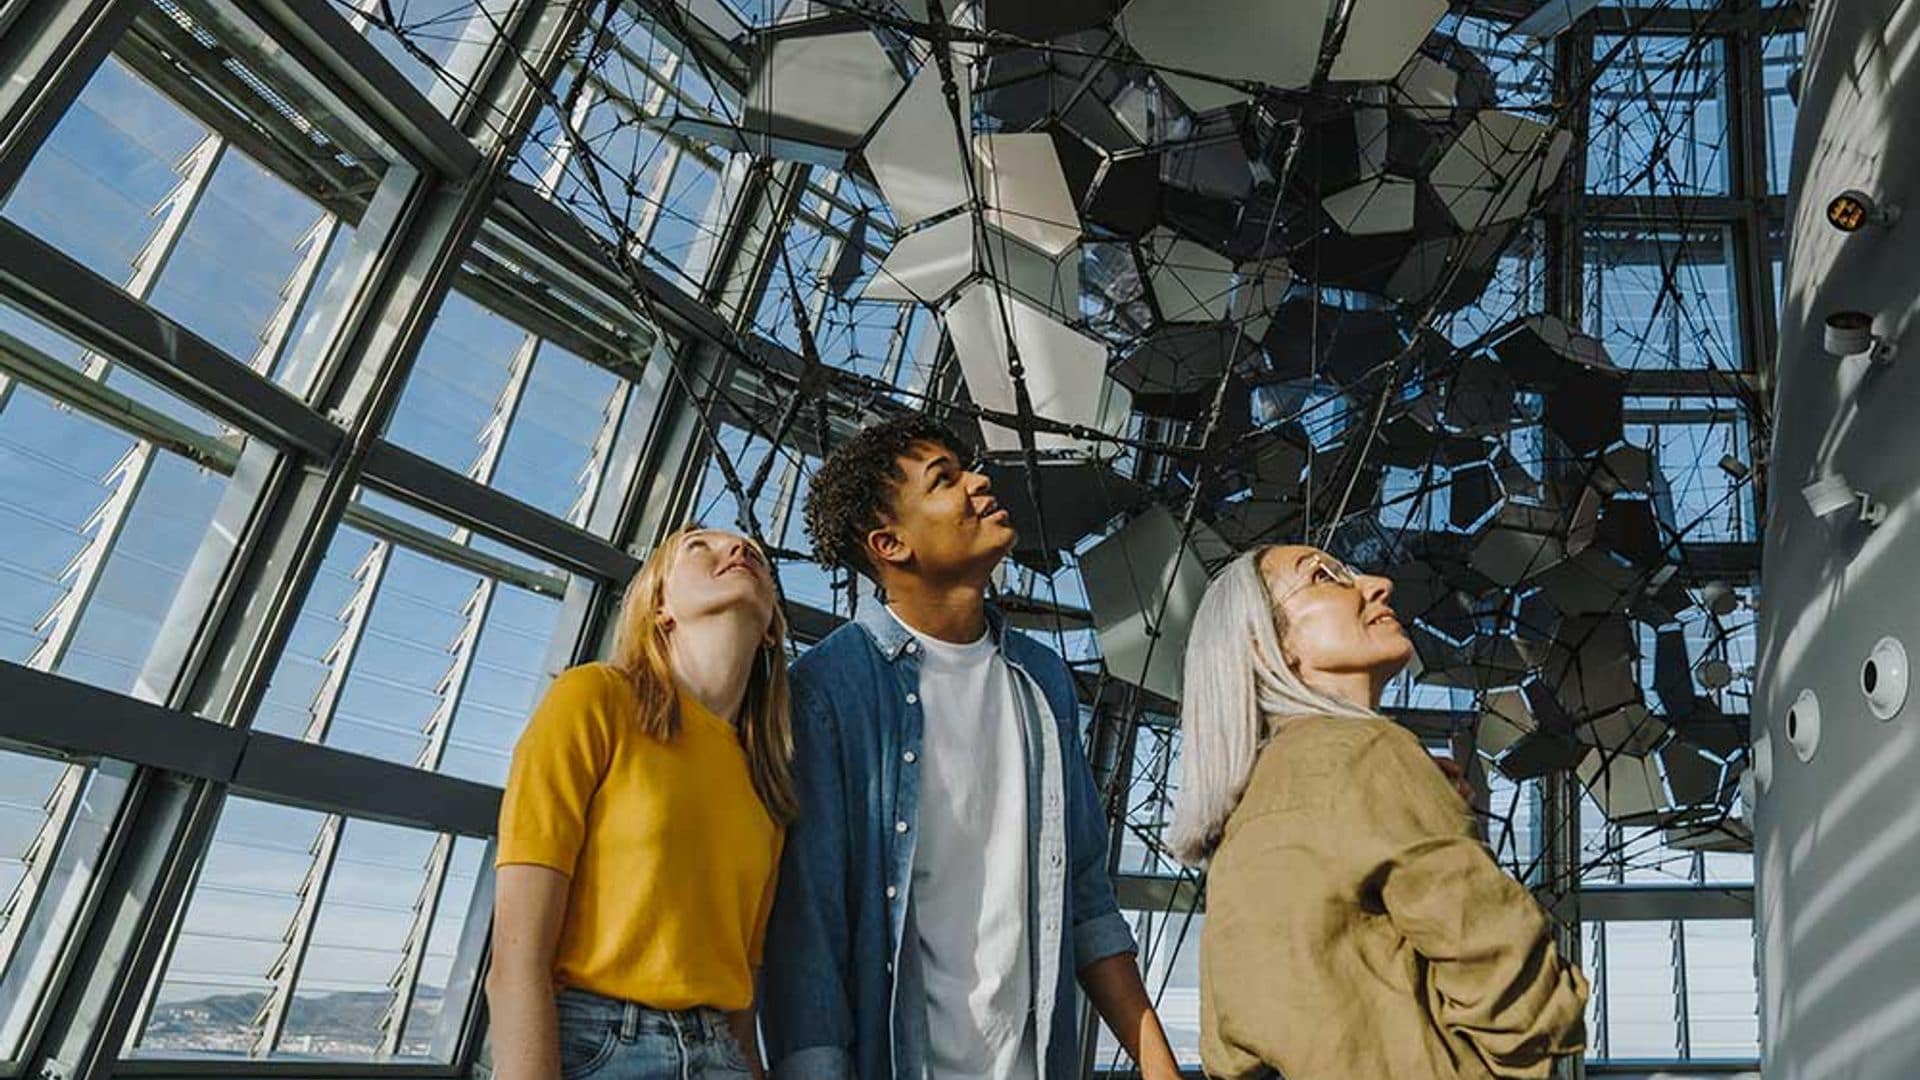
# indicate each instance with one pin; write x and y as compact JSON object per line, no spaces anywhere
{"x":842,"y":993}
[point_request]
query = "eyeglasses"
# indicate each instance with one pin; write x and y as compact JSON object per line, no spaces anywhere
{"x":1324,"y":570}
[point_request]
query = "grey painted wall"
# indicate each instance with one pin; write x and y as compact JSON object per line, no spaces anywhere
{"x":1839,"y":836}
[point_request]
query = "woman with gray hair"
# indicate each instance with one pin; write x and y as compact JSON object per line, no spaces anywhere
{"x":1356,"y":925}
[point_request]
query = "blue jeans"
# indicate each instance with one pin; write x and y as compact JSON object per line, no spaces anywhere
{"x":609,"y":1039}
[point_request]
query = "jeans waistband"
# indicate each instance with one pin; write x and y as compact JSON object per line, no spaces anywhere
{"x":633,"y":1019}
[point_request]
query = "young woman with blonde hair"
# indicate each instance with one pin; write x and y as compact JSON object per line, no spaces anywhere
{"x":1356,"y":926}
{"x":643,"y":821}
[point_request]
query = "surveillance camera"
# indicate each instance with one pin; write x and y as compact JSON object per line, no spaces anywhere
{"x":1828,"y":495}
{"x":1871,"y":512}
{"x":1831,"y":494}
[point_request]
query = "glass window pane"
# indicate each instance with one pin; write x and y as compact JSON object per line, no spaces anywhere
{"x":874,"y":338}
{"x":102,"y":512}
{"x":1688,"y":438}
{"x":1065,"y":589}
{"x":1635,"y":1010}
{"x":1602,"y":858}
{"x":1513,"y":827}
{"x":180,"y":218}
{"x":436,"y":44}
{"x":686,"y":223}
{"x":777,"y":510}
{"x":1642,"y":1015}
{"x":318,"y":937}
{"x":1518,"y":288}
{"x":55,"y":819}
{"x":430,"y":1018}
{"x":1154,"y":778}
{"x":505,"y":407}
{"x":1405,"y":692}
{"x":418,"y":657}
{"x":1663,"y":299}
{"x":1646,"y":858}
{"x":1732,"y":638}
{"x":118,"y":150}
{"x":718,"y":507}
{"x":1657,"y":124}
{"x":1522,"y":69}
{"x":1729,"y":867}
{"x":612,"y":157}
{"x":1780,"y":58}
{"x":1170,"y":966}
{"x":1722,"y":989}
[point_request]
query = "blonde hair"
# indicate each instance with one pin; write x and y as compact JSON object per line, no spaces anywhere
{"x":641,"y":653}
{"x":1238,"y":686}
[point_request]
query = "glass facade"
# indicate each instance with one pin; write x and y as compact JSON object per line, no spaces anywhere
{"x":315,"y":465}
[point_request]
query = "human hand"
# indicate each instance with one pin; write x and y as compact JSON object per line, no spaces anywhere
{"x":1457,"y":776}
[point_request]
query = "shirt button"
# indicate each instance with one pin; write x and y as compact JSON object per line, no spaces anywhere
{"x":892,"y":892}
{"x":909,"y":757}
{"x":913,"y":699}
{"x":913,"y":646}
{"x":899,"y":826}
{"x":889,"y":967}
{"x":1056,"y":859}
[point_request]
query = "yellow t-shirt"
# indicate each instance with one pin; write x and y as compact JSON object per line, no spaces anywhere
{"x":670,"y":851}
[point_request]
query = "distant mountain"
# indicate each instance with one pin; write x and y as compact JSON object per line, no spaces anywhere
{"x":218,"y":1020}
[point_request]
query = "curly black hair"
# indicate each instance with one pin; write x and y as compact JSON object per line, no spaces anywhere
{"x":854,"y":487}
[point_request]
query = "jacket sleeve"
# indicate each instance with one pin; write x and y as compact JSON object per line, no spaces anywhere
{"x":1099,"y":930}
{"x":1497,"y":979}
{"x":806,"y":1006}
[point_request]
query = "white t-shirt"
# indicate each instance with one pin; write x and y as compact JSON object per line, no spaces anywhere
{"x":970,"y":865}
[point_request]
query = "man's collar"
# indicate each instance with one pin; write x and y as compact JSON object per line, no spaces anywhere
{"x":892,"y":635}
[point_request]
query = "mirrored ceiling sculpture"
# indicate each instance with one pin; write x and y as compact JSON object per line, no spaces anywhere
{"x":1219,"y":264}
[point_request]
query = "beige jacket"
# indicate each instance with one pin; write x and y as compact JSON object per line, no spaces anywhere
{"x":1357,"y":929}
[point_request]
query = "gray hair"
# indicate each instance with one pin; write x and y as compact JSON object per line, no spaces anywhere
{"x":1238,"y":685}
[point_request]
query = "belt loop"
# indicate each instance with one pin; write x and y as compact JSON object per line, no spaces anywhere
{"x":629,"y":1021}
{"x":680,"y":1045}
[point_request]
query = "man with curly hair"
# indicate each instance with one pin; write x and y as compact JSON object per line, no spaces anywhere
{"x":945,"y":886}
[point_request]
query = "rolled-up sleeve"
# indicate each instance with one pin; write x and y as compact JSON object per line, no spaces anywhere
{"x":1099,"y":930}
{"x":1498,"y":980}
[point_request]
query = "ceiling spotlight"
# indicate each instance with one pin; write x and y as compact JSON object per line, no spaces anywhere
{"x":1831,"y":494}
{"x":1850,"y":333}
{"x":1853,"y":210}
{"x":1734,"y":467}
